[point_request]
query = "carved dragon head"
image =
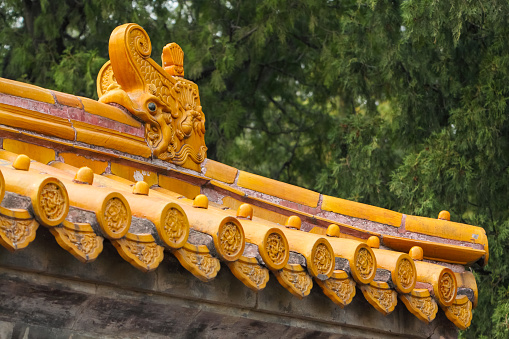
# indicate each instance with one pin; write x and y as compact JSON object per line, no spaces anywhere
{"x":168,"y":104}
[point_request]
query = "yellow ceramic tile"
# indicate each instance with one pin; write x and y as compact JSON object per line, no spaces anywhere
{"x":103,"y":152}
{"x":79,"y":239}
{"x":323,"y":231}
{"x":20,"y":89}
{"x":374,"y":290}
{"x":42,"y":137}
{"x":291,"y":210}
{"x":105,"y":137}
{"x":186,"y":256}
{"x":15,"y":213}
{"x":63,"y":167}
{"x":435,"y":251}
{"x":33,"y":137}
{"x":9,"y":129}
{"x":329,"y":288}
{"x":79,"y":161}
{"x":442,"y":279}
{"x":108,"y":111}
{"x":27,"y":227}
{"x":221,"y":172}
{"x":191,"y":164}
{"x":278,"y":189}
{"x":39,"y":153}
{"x":163,"y":192}
{"x":134,"y":174}
{"x":446,"y":229}
{"x":36,"y":122}
{"x":362,"y":234}
{"x":362,"y":211}
{"x":140,"y":237}
{"x":9,"y":157}
{"x":250,"y":272}
{"x":318,"y":230}
{"x":186,"y":189}
{"x":191,"y":176}
{"x":460,"y":312}
{"x":119,"y":179}
{"x":348,"y":236}
{"x":128,"y":246}
{"x":68,"y":99}
{"x":295,"y":279}
{"x":265,"y":215}
{"x":227,"y":188}
{"x":258,"y":212}
{"x":467,"y":280}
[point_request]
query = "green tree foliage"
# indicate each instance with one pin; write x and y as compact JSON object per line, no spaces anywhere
{"x":399,"y":104}
{"x":63,"y":44}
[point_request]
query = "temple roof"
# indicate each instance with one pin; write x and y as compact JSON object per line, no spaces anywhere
{"x":131,"y":169}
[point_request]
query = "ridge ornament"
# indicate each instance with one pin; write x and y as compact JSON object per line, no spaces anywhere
{"x":168,"y":104}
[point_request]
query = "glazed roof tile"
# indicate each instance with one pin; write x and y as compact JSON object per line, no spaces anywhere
{"x":335,"y":264}
{"x":194,"y":208}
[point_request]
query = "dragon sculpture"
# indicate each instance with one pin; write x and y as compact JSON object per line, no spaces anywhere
{"x":168,"y":104}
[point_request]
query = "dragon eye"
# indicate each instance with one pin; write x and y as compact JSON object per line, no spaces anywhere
{"x":152,"y":107}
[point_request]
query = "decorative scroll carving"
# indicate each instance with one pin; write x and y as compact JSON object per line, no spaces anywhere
{"x":441,"y":278}
{"x":364,"y":263}
{"x":322,"y":259}
{"x":85,"y":243}
{"x":230,"y":238}
{"x":15,"y":230}
{"x":385,"y":298}
{"x":15,"y":233}
{"x":106,"y":80}
{"x":295,"y":279}
{"x":460,"y":312}
{"x":146,"y":253}
{"x":344,"y":289}
{"x":248,"y":271}
{"x":447,"y":287}
{"x":427,"y":306}
{"x":406,"y":273}
{"x":198,"y":261}
{"x":140,"y":250}
{"x":52,"y":202}
{"x":175,"y":225}
{"x":275,"y":248}
{"x":380,"y":296}
{"x":115,"y":215}
{"x":173,"y":59}
{"x":191,"y":120}
{"x":421,"y":304}
{"x":78,"y":239}
{"x":168,"y":104}
{"x":339,"y":288}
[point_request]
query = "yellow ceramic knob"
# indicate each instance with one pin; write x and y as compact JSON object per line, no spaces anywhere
{"x":416,"y":253}
{"x":333,"y":230}
{"x":245,"y":211}
{"x":444,"y":215}
{"x":201,"y":201}
{"x":85,"y":175}
{"x":374,"y":242}
{"x":293,"y":222}
{"x":141,"y":188}
{"x":21,"y":163}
